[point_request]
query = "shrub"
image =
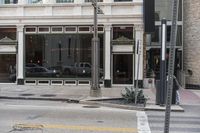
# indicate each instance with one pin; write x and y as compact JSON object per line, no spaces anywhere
{"x":129,"y":94}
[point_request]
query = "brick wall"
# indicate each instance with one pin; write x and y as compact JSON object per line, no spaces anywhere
{"x":191,"y":39}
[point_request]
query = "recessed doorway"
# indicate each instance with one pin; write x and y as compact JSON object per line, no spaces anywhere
{"x":122,"y":68}
{"x":7,"y":68}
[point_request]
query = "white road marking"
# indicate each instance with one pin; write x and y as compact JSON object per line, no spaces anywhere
{"x":142,"y":122}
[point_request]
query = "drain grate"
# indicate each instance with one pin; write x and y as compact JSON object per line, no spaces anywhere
{"x":26,"y":94}
{"x":48,"y":95}
{"x":92,"y":106}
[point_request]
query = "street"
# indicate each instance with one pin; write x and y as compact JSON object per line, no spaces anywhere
{"x":28,"y":116}
{"x":180,"y":122}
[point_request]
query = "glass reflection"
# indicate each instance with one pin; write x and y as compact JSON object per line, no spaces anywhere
{"x":163,"y":9}
{"x":7,"y":68}
{"x":60,"y":55}
{"x":122,"y":69}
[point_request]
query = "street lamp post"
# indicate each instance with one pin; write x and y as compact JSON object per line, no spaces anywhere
{"x":95,"y":90}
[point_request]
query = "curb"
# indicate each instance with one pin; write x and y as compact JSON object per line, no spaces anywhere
{"x":100,"y":103}
{"x":174,"y":108}
{"x":44,"y":99}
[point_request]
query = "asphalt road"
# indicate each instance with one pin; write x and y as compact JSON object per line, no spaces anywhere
{"x":25,"y":116}
{"x":180,"y":122}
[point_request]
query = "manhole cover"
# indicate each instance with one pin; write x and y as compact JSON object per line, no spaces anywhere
{"x":26,"y":94}
{"x":91,"y":106}
{"x":100,"y":121}
{"x":48,"y":95}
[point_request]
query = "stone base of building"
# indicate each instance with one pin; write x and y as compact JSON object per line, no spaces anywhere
{"x":20,"y":81}
{"x":140,"y":83}
{"x":107,"y":83}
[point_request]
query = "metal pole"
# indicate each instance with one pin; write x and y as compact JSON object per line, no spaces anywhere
{"x":137,"y":76}
{"x":95,"y":90}
{"x":171,"y":64}
{"x":163,"y":64}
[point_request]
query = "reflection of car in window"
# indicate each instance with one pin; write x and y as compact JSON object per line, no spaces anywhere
{"x":34,"y":70}
{"x":41,"y":72}
{"x":82,"y":68}
{"x":31,"y":65}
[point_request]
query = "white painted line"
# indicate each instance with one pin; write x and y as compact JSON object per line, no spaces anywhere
{"x":142,"y":122}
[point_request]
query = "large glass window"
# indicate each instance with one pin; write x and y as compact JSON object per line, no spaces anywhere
{"x":157,"y":38}
{"x":60,"y":55}
{"x":155,"y":35}
{"x":8,"y":1}
{"x":34,"y":1}
{"x":163,"y":9}
{"x":180,"y":10}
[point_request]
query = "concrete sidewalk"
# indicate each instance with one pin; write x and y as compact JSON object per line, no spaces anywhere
{"x":81,"y":94}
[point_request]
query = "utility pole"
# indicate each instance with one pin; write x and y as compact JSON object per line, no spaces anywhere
{"x":171,"y":64}
{"x":95,"y":90}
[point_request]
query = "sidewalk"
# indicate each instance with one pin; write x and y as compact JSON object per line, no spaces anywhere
{"x":81,"y":94}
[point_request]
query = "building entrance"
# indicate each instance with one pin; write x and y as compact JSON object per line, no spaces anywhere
{"x":122,"y":68}
{"x":7,"y":68}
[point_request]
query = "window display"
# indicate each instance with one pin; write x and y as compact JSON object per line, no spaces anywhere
{"x":60,"y":55}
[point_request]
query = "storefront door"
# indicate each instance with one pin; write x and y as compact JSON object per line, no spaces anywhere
{"x":122,"y":68}
{"x":7,"y":68}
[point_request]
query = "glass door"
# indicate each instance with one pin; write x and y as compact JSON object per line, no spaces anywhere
{"x":7,"y":68}
{"x":122,"y":68}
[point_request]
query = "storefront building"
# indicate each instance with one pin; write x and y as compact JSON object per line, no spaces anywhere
{"x":49,"y":42}
{"x":163,"y":9}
